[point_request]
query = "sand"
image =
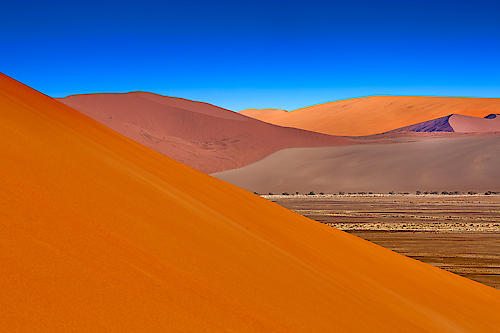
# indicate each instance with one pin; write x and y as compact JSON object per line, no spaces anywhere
{"x":200,"y":135}
{"x":378,"y":114}
{"x":268,"y":114}
{"x":457,"y":163}
{"x":465,"y":124}
{"x":456,"y":123}
{"x":99,"y":233}
{"x":434,"y":125}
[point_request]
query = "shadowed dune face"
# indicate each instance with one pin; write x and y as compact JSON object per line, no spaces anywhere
{"x":379,"y":114}
{"x":466,"y":163}
{"x":456,"y":123}
{"x":99,"y":233}
{"x":435,"y":125}
{"x":200,"y":135}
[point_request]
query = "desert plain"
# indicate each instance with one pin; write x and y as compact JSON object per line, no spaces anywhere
{"x":458,"y":233}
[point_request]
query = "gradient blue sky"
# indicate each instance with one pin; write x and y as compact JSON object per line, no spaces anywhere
{"x":254,"y":54}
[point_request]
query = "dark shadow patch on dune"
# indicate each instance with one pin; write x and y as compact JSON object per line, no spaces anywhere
{"x":492,"y":116}
{"x":435,"y":125}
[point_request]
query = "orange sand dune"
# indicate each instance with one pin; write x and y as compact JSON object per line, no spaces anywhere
{"x":99,"y":233}
{"x":200,"y":135}
{"x":377,"y":114}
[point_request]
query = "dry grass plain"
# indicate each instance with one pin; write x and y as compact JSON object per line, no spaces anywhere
{"x":459,"y":233}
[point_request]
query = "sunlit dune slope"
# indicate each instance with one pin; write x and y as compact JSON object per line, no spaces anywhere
{"x":99,"y":233}
{"x":458,"y":162}
{"x":378,"y":114}
{"x":200,"y":135}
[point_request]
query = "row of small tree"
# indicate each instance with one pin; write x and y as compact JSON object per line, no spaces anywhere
{"x":455,"y":193}
{"x":391,"y":193}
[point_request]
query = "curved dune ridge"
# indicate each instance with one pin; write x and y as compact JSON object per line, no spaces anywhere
{"x":99,"y":233}
{"x":378,"y":114}
{"x":200,"y":135}
{"x":435,"y":125}
{"x":267,"y":114}
{"x":456,"y":123}
{"x":462,"y":163}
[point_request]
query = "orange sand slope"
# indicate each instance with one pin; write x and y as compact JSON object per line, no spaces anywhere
{"x":99,"y":233}
{"x":377,"y":114}
{"x":200,"y":135}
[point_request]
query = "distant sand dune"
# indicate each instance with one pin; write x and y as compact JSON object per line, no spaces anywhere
{"x":456,"y":123}
{"x":465,"y":124}
{"x":376,"y":114}
{"x":268,"y":114}
{"x":463,"y":163}
{"x":200,"y":135}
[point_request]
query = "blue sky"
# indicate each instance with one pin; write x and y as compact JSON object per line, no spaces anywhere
{"x":255,"y":54}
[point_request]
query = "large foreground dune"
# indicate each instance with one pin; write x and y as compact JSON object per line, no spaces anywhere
{"x":461,"y":163}
{"x":200,"y":135}
{"x":99,"y":233}
{"x":376,"y":114}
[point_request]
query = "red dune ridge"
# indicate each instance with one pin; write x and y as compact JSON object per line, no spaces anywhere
{"x":377,"y":114}
{"x":99,"y":233}
{"x":200,"y":135}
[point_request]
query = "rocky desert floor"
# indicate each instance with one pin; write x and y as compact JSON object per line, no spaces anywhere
{"x":459,"y":233}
